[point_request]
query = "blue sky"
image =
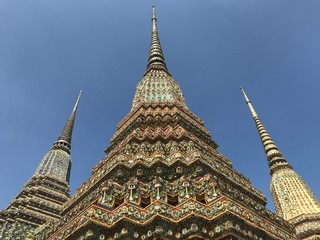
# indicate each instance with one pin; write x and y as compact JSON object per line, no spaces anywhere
{"x":50,"y":50}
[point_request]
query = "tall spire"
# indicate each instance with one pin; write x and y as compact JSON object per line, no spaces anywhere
{"x":41,"y":199}
{"x":274,"y":156}
{"x":157,"y":86}
{"x":57,"y":162}
{"x":64,"y":140}
{"x":293,"y":199}
{"x":156,"y":59}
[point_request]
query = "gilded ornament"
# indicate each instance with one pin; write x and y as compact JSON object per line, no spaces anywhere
{"x":139,"y":172}
{"x":159,"y":230}
{"x":179,"y":170}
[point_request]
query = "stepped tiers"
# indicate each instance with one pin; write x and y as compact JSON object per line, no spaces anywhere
{"x":41,"y":199}
{"x":163,"y":178}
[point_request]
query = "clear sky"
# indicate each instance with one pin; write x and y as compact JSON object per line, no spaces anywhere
{"x":50,"y":50}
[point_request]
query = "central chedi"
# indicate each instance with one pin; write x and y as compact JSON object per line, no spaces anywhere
{"x":162,"y":177}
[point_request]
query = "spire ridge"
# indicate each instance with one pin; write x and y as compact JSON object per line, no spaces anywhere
{"x":64,"y":140}
{"x":274,"y":156}
{"x":156,"y":59}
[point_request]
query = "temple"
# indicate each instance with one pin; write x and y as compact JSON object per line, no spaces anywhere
{"x":161,"y":178}
{"x":40,"y":200}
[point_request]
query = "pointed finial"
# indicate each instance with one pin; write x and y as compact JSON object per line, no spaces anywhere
{"x":154,"y":19}
{"x":274,"y":156}
{"x":64,"y":140}
{"x":253,"y":112}
{"x":154,"y":12}
{"x":77,"y":102}
{"x":156,"y":59}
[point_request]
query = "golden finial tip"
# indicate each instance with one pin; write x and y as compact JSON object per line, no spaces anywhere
{"x":153,"y":12}
{"x":244,"y":95}
{"x":77,"y":102}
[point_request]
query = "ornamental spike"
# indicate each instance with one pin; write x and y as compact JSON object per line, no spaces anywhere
{"x":274,"y":156}
{"x":253,"y":112}
{"x":156,"y":59}
{"x":64,"y":140}
{"x":77,"y":102}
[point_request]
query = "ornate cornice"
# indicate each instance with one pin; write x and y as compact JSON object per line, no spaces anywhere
{"x":212,"y":213}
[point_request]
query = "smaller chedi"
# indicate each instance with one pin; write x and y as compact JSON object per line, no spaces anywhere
{"x":42,"y":197}
{"x":293,"y":199}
